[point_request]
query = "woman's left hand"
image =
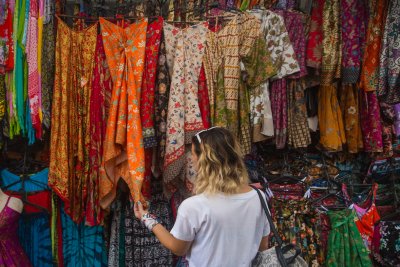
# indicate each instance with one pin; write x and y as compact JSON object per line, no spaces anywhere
{"x":139,"y":210}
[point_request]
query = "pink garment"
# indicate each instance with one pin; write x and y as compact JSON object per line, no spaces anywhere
{"x":34,"y":86}
{"x":11,"y":252}
{"x":371,"y":122}
{"x":279,"y":111}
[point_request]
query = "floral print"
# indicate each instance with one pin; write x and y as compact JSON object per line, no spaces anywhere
{"x":331,"y":48}
{"x":224,"y":51}
{"x":99,"y":109}
{"x":354,"y":17}
{"x":314,"y":45}
{"x":153,"y":38}
{"x":6,"y":43}
{"x":123,"y":154}
{"x":48,"y":66}
{"x":161,"y":102}
{"x":389,"y":66}
{"x":345,"y":245}
{"x":349,"y":103}
{"x":332,"y":134}
{"x":390,"y":242}
{"x":283,"y":58}
{"x":185,"y":48}
{"x":297,"y":223}
{"x":370,"y":67}
{"x":371,"y":122}
{"x":298,"y":132}
{"x":70,"y":120}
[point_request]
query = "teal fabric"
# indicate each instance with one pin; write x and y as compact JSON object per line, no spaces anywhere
{"x":34,"y":236}
{"x":82,"y":245}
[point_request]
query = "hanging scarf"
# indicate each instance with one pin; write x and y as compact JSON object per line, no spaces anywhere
{"x":370,"y":67}
{"x":331,"y":49}
{"x":354,"y":17}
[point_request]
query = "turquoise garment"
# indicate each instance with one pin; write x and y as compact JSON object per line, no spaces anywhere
{"x":82,"y":245}
{"x":34,"y":236}
{"x":36,"y":182}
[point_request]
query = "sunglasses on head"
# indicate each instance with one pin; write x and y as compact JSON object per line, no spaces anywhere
{"x":198,"y":134}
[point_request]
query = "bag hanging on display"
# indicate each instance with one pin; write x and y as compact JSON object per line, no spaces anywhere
{"x":279,"y":255}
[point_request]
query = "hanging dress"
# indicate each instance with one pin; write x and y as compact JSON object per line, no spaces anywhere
{"x":161,"y":103}
{"x":99,"y":109}
{"x":349,"y":103}
{"x":284,"y":59}
{"x":345,"y":245}
{"x":70,"y":119}
{"x":366,"y":217}
{"x":11,"y":252}
{"x":48,"y":67}
{"x":354,"y":17}
{"x":332,"y":136}
{"x":370,"y":67}
{"x":153,"y":39}
{"x":123,"y":146}
{"x":185,"y":48}
{"x":237,"y":48}
{"x":314,"y":45}
{"x":389,"y":65}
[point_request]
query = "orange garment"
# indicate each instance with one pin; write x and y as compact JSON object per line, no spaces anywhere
{"x":370,"y":69}
{"x":123,"y":146}
{"x":332,"y":134}
{"x":70,"y":132}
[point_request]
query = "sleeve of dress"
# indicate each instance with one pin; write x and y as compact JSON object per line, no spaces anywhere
{"x":286,"y":62}
{"x":254,"y":53}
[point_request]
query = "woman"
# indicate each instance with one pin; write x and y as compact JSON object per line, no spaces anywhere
{"x":224,"y":223}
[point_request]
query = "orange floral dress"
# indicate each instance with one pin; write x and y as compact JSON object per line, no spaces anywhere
{"x":123,"y":146}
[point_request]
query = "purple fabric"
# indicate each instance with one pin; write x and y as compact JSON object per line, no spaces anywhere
{"x":371,"y":122}
{"x":294,"y":22}
{"x":279,"y":111}
{"x":11,"y":252}
{"x":397,"y":111}
{"x":354,"y":26}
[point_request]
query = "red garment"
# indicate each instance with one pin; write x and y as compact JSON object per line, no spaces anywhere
{"x":6,"y":32}
{"x":204,"y":102}
{"x":99,"y":106}
{"x":314,"y":46}
{"x":41,"y":198}
{"x":366,"y":217}
{"x":153,"y":40}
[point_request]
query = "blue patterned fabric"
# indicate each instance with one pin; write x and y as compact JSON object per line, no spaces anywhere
{"x":82,"y":245}
{"x":34,"y":235}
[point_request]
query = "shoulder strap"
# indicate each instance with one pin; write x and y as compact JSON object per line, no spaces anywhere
{"x":8,"y":200}
{"x":269,"y":217}
{"x":284,"y":262}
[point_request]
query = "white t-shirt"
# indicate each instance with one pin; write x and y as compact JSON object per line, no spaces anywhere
{"x":225,"y":230}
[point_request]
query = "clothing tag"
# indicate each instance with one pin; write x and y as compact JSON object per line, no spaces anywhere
{"x":324,"y":208}
{"x":307,"y":194}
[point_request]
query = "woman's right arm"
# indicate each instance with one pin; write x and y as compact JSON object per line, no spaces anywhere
{"x":263,"y":244}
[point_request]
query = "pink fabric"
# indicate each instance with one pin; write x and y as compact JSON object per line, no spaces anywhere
{"x":279,"y":111}
{"x":34,"y":86}
{"x":371,"y":122}
{"x":11,"y":252}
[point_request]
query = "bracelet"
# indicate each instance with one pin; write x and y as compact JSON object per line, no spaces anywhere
{"x":149,"y":221}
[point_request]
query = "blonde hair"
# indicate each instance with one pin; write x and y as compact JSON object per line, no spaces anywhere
{"x":219,"y":161}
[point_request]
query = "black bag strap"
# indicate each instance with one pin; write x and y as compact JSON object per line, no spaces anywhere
{"x":279,"y":249}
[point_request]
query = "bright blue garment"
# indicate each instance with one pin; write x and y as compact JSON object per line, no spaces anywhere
{"x":36,"y":182}
{"x":82,"y":245}
{"x":34,"y":235}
